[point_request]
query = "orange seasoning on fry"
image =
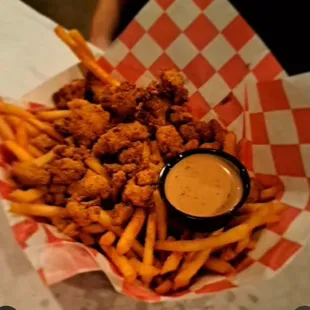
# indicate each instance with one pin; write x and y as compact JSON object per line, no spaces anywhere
{"x":203,"y":185}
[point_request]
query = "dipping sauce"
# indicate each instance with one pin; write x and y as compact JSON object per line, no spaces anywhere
{"x":203,"y":185}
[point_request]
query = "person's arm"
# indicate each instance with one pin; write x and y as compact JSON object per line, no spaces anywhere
{"x":105,"y":22}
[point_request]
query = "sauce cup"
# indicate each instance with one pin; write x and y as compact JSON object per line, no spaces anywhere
{"x":211,"y":222}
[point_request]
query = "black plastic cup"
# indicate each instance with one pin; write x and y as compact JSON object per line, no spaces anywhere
{"x":210,"y":223}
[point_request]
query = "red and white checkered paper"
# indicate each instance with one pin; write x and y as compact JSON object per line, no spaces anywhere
{"x":232,"y":76}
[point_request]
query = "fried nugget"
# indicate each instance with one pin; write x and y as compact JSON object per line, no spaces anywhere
{"x":121,"y":214}
{"x":169,"y":141}
{"x":153,"y":113}
{"x":120,"y":137}
{"x":148,"y":176}
{"x":82,"y":214}
{"x":132,"y":155}
{"x":91,"y":186}
{"x":43,"y":142}
{"x":28,"y":174}
{"x":188,"y":132}
{"x":180,"y":115}
{"x":139,"y":196}
{"x":88,"y":121}
{"x":74,"y":90}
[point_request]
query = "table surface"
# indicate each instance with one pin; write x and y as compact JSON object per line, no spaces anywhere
{"x":30,"y":53}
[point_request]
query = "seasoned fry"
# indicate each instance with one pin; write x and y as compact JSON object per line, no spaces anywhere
{"x":18,"y":151}
{"x":242,"y":245}
{"x":156,"y":156}
{"x":87,"y":61}
{"x":95,"y":165}
{"x":227,"y":237}
{"x":218,"y":265}
{"x":53,"y":115}
{"x":148,"y":255}
{"x":139,"y":267}
{"x":44,"y":159}
{"x":161,"y":216}
{"x":268,"y":194}
{"x":47,"y":128}
{"x":80,"y":41}
{"x":185,"y":275}
{"x":71,"y":230}
{"x":14,"y":110}
{"x":107,"y":239}
{"x":14,"y":122}
{"x":93,"y":229}
{"x":86,"y":238}
{"x":121,"y":214}
{"x":164,"y":288}
{"x":172,"y":262}
{"x":28,"y":195}
{"x":59,"y":223}
{"x":131,"y":231}
{"x":121,"y":262}
{"x":34,"y":151}
{"x":211,"y":145}
{"x":6,"y":132}
{"x":22,"y":135}
{"x":38,"y":210}
{"x":230,"y":144}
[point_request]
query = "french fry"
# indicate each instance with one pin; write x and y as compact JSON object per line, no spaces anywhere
{"x":211,"y":145}
{"x":172,"y":262}
{"x":6,"y":133}
{"x":59,"y":223}
{"x":44,"y":159}
{"x":164,"y":288}
{"x":53,"y":114}
{"x":71,"y":230}
{"x":242,"y":245}
{"x":230,"y":144}
{"x":86,"y":238}
{"x":227,"y":237}
{"x":121,"y":214}
{"x":107,"y":239}
{"x":139,"y":268}
{"x":14,"y":122}
{"x":11,"y":109}
{"x":146,"y":153}
{"x":122,"y":263}
{"x":161,"y":216}
{"x":18,"y":151}
{"x":28,"y":195}
{"x":80,"y":41}
{"x":87,"y":61}
{"x":95,"y":165}
{"x":148,"y":255}
{"x":93,"y":229}
{"x":34,"y":151}
{"x":228,"y":254}
{"x":185,"y":274}
{"x":156,"y":156}
{"x":47,"y":128}
{"x":38,"y":210}
{"x":131,"y":231}
{"x":268,"y":194}
{"x":105,"y":221}
{"x":255,"y":190}
{"x":22,"y":135}
{"x":218,"y":266}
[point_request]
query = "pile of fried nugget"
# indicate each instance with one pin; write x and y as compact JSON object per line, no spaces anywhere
{"x":90,"y":166}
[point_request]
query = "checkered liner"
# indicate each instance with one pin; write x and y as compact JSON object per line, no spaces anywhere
{"x":229,"y":73}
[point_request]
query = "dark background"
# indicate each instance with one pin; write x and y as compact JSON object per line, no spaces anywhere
{"x":283,"y":25}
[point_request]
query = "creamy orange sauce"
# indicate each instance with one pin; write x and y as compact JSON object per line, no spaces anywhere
{"x":203,"y":185}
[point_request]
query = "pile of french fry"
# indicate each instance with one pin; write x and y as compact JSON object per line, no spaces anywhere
{"x":166,"y":263}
